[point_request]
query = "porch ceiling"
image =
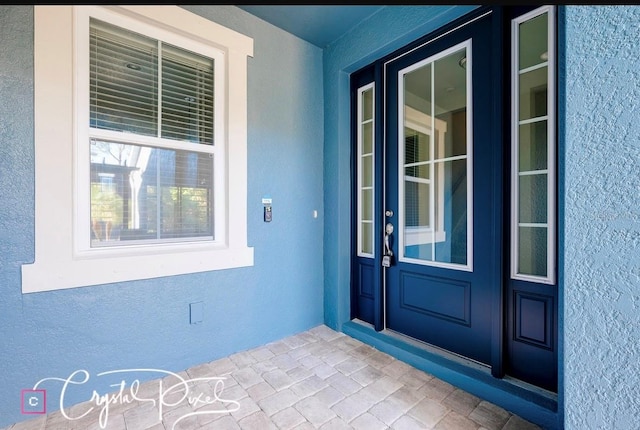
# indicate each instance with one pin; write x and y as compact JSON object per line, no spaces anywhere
{"x":317,"y":24}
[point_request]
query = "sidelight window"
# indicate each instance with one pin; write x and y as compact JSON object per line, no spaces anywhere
{"x":533,"y":147}
{"x":366,"y":167}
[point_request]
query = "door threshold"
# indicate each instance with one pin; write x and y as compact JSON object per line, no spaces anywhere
{"x":530,"y":387}
{"x":461,"y":359}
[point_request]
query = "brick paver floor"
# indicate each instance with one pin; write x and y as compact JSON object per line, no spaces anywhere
{"x":318,"y":379}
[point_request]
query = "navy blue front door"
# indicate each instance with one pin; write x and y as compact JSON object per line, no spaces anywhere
{"x":453,"y":215}
{"x":439,"y":193}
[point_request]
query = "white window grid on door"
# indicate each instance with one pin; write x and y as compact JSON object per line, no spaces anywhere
{"x":431,"y":124}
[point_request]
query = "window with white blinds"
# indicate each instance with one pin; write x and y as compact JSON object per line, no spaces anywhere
{"x":140,"y":116}
{"x":140,"y":113}
{"x":126,"y":94}
{"x":143,"y":86}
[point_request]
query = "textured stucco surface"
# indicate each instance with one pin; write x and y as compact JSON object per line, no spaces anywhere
{"x":602,"y":224}
{"x":103,"y":327}
{"x":145,"y":324}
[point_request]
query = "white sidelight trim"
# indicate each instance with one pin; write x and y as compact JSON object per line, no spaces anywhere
{"x":550,"y":171}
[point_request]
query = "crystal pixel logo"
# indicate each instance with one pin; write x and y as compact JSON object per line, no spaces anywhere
{"x":34,"y":402}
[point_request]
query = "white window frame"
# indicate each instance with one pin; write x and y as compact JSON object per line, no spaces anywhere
{"x":403,"y":117}
{"x":361,"y":161}
{"x":63,"y":256}
{"x":85,"y":133}
{"x":551,"y":146}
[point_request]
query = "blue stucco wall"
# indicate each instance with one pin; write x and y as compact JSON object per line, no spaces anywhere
{"x":146,"y":323}
{"x":602,"y":218}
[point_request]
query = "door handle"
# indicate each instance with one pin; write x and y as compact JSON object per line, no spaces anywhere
{"x":387,"y":258}
{"x":388,"y":231}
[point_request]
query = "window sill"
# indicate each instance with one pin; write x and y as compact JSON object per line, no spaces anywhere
{"x":62,"y":271}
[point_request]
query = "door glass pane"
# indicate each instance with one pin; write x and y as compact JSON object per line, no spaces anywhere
{"x":533,"y":198}
{"x":417,"y":214}
{"x":417,"y":116}
{"x":532,"y":47}
{"x":533,"y":146}
{"x":532,"y":247}
{"x":366,"y":246}
{"x":452,"y":245}
{"x":433,"y":192}
{"x":450,"y":105}
{"x":367,"y":138}
{"x":367,"y":105}
{"x":367,"y":171}
{"x":367,"y":205}
{"x":533,"y":93}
